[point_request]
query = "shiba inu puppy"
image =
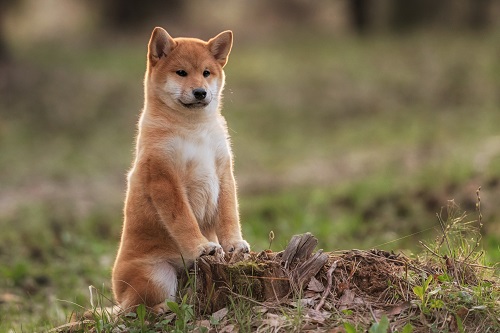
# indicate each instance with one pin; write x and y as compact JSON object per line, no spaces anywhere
{"x":181,"y":199}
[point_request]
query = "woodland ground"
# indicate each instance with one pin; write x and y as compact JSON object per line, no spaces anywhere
{"x":446,"y":289}
{"x":360,"y":141}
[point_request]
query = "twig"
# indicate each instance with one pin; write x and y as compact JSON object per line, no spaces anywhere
{"x":274,"y":292}
{"x":445,"y":234}
{"x":70,"y":326}
{"x":480,"y":221}
{"x":372,"y":313}
{"x":428,"y":249}
{"x":328,"y":285}
{"x":403,"y":295}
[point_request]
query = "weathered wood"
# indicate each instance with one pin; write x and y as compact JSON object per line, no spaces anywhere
{"x":264,"y":276}
{"x":299,"y":248}
{"x":306,"y":270}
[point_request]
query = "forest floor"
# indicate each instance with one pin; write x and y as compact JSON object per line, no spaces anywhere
{"x":298,"y":290}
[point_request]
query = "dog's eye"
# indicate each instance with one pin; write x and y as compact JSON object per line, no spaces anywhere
{"x":181,"y":72}
{"x":206,"y":73}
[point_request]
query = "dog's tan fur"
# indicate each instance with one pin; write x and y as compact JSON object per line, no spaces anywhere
{"x":181,"y":199}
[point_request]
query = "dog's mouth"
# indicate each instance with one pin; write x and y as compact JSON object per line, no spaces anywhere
{"x":194,"y":105}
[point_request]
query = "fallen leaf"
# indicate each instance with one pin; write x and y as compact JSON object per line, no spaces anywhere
{"x":201,"y":323}
{"x":462,"y":312}
{"x":219,"y":315}
{"x":271,"y":323}
{"x":347,"y":299}
{"x":260,"y":309}
{"x":315,"y":285}
{"x":318,"y":316}
{"x":229,"y":329}
{"x":308,"y":302}
{"x":273,"y":320}
{"x":398,"y":308}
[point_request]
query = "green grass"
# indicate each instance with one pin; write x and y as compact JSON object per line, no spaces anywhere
{"x":359,"y":141}
{"x":444,"y":287}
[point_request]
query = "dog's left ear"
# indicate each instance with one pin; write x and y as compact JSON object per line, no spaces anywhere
{"x":159,"y":45}
{"x":220,"y":46}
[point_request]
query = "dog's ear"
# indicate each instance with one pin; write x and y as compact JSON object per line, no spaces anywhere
{"x":220,"y":46}
{"x":160,"y":45}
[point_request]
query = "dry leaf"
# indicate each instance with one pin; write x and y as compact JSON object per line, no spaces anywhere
{"x":462,"y":312}
{"x":260,"y":309}
{"x":273,"y":320}
{"x":315,"y":285}
{"x":398,"y":308}
{"x":272,"y":323}
{"x":303,"y":302}
{"x":201,"y":323}
{"x":347,"y":299}
{"x":307,"y":302}
{"x":229,"y":329}
{"x":318,"y":316}
{"x":219,"y":315}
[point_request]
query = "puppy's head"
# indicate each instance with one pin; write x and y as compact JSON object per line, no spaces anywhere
{"x":186,"y":73}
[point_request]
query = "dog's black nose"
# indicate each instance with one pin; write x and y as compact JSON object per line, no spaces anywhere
{"x":199,"y":93}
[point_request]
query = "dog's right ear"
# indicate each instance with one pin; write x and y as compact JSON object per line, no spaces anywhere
{"x":160,"y":45}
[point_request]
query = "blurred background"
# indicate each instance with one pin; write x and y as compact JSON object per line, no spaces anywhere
{"x":356,"y":120}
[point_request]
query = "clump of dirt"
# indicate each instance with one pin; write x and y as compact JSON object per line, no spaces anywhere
{"x":371,"y":271}
{"x":266,"y":277}
{"x":361,"y":286}
{"x":301,"y":290}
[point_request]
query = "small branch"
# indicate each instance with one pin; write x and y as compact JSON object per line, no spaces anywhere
{"x":428,"y":249}
{"x":372,"y":313}
{"x":328,"y":285}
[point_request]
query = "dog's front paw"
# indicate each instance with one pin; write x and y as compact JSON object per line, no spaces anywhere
{"x":238,"y":246}
{"x":209,"y":249}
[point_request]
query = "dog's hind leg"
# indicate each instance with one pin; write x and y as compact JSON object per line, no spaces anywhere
{"x":150,"y":285}
{"x":164,"y":278}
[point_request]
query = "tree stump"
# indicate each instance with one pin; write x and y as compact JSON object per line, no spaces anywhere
{"x":264,"y":276}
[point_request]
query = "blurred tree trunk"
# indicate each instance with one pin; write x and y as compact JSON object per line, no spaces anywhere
{"x":397,"y":15}
{"x":410,"y":14}
{"x":4,"y":50}
{"x":4,"y":53}
{"x":293,"y":11}
{"x":130,"y":14}
{"x":360,"y":12}
{"x":481,"y":14}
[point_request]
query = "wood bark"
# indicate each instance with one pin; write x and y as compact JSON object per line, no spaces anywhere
{"x":265,"y":276}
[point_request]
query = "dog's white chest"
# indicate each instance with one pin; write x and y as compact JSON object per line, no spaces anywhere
{"x":196,"y":159}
